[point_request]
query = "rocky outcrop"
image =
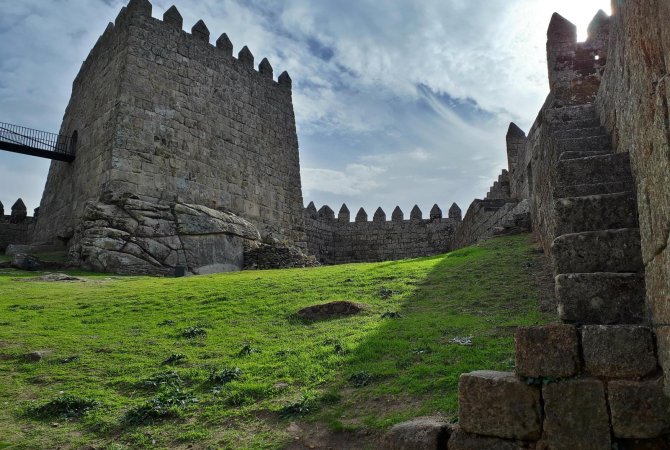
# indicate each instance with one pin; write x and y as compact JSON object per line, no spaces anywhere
{"x":127,"y":235}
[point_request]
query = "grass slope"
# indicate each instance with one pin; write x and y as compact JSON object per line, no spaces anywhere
{"x":156,"y":358}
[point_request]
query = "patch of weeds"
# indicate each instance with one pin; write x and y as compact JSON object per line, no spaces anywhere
{"x":225,"y":375}
{"x":63,"y":407}
{"x":331,"y":398}
{"x":169,"y":379}
{"x":193,"y":332}
{"x":14,"y":308}
{"x":298,"y":408}
{"x":166,"y":323}
{"x":285,"y":353}
{"x":175,"y":358}
{"x":238,"y":399}
{"x":165,"y":406}
{"x":391,"y":315}
{"x":247,"y":350}
{"x":386,"y":293}
{"x":361,"y":379}
{"x":338,"y":348}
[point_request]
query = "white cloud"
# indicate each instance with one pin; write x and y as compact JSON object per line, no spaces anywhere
{"x":355,"y":179}
{"x":418,"y":94}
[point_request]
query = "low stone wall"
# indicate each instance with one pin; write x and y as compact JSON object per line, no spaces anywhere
{"x":17,"y":227}
{"x":633,"y":105}
{"x":338,"y":240}
{"x":482,"y":220}
{"x":15,"y":233}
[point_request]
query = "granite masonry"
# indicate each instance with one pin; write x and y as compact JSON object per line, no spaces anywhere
{"x":164,"y":117}
{"x":594,"y":171}
{"x":339,"y":240}
{"x":187,"y":159}
{"x":15,"y":228}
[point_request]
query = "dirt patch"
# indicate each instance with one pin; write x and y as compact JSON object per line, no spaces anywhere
{"x":309,"y":435}
{"x":330,"y":310}
{"x":52,"y":278}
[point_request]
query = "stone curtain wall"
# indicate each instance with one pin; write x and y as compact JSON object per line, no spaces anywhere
{"x":163,"y":115}
{"x":338,"y":240}
{"x":486,"y":218}
{"x":93,"y":113}
{"x":633,"y":105}
{"x":16,"y":227}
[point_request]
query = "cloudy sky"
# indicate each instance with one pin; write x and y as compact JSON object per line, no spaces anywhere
{"x":397,"y":101}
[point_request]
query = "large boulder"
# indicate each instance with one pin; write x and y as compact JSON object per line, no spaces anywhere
{"x":128,"y":235}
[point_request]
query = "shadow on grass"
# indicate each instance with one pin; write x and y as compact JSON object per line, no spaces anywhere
{"x":461,"y":317}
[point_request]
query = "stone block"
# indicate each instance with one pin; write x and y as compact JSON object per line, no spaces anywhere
{"x":662,"y":443}
{"x":639,"y":409}
{"x":422,"y":433}
{"x":549,"y":351}
{"x":618,"y":351}
{"x":663,"y":342}
{"x":595,"y":212}
{"x":499,"y":404}
{"x":598,"y":251}
{"x":576,"y":415}
{"x":462,"y":440}
{"x":601,"y":298}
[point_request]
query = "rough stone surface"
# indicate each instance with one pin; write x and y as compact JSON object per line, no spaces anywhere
{"x":422,"y":433}
{"x":267,"y":256}
{"x":336,"y":240}
{"x":618,"y":351}
{"x":596,"y":212}
{"x":462,"y":440}
{"x":633,"y":104}
{"x":601,"y":298}
{"x":217,"y":133}
{"x":576,"y":415}
{"x":639,"y":409}
{"x":549,"y":351}
{"x":598,"y":251}
{"x":499,"y":404}
{"x":14,"y":231}
{"x":128,"y":235}
{"x":483,"y":218}
{"x":663,"y":342}
{"x":662,"y":443}
{"x":26,"y":262}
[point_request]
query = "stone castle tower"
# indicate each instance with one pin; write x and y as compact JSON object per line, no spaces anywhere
{"x":164,"y":118}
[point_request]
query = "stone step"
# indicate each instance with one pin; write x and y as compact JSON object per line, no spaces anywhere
{"x":580,"y":190}
{"x":596,"y":212}
{"x":576,"y":155}
{"x":584,"y":144}
{"x":598,"y":251}
{"x":601,"y":298}
{"x":575,"y":124}
{"x":594,"y":169}
{"x":572,"y":113}
{"x":580,"y":132}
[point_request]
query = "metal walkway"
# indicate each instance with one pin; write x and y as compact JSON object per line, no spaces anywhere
{"x":14,"y":138}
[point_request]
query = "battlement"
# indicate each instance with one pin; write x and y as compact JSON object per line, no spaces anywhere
{"x":336,"y":239}
{"x":326,"y":213}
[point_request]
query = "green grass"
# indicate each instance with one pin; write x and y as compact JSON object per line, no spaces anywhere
{"x":221,"y":361}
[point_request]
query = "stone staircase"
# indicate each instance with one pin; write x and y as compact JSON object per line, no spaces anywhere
{"x":593,"y":381}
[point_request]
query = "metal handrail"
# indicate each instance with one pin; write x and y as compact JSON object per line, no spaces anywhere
{"x":35,"y":139}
